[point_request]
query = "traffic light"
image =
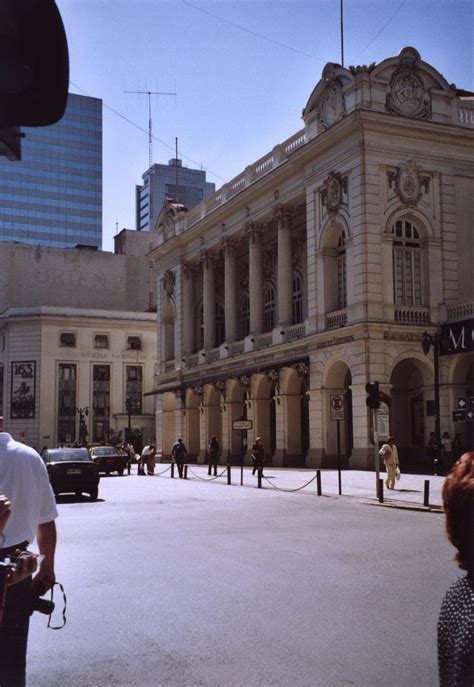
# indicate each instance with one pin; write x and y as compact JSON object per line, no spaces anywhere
{"x":373,"y":398}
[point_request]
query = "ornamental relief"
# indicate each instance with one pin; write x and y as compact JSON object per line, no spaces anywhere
{"x":169,"y":280}
{"x":408,"y":96}
{"x":332,"y":107}
{"x":409,"y":183}
{"x":333,"y":192}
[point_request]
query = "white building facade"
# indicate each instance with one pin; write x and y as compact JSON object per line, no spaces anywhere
{"x":318,"y":269}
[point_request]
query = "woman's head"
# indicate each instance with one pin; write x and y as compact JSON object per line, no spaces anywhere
{"x":458,"y":501}
{"x":446,"y":435}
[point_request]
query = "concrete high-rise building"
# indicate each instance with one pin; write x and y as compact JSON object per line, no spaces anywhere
{"x":184,"y":185}
{"x":53,"y":195}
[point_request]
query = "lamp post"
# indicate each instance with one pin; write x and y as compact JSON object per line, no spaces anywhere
{"x":128,"y":405}
{"x":427,"y":341}
{"x":83,"y":412}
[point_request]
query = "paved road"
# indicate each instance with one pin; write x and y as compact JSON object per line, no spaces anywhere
{"x":195,"y":584}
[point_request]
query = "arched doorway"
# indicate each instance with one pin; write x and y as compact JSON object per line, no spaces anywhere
{"x":337,"y":381}
{"x":192,"y":424}
{"x":408,"y":419}
{"x":169,"y":432}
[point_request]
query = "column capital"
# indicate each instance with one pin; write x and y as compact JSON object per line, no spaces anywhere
{"x":253,"y":230}
{"x":230,"y":244}
{"x":209,"y":256}
{"x":283,"y":215}
{"x":190,"y":268}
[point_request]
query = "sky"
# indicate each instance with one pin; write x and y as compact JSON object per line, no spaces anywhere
{"x":242,"y":73}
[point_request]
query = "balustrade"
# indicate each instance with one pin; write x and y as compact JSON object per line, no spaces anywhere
{"x":456,"y":312}
{"x":336,"y":319}
{"x":412,"y":315}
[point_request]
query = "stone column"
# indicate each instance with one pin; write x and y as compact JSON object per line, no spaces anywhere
{"x":209,"y":299}
{"x":254,"y":232}
{"x":189,"y":308}
{"x":283,"y":217}
{"x":230,"y":288}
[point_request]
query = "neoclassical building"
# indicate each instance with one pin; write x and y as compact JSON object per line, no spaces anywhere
{"x":318,"y":268}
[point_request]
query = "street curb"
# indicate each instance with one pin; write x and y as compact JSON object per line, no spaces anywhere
{"x":407,"y":506}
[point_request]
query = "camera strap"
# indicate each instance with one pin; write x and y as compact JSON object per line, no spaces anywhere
{"x":58,"y":627}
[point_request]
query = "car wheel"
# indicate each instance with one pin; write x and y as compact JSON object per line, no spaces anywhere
{"x":94,"y":494}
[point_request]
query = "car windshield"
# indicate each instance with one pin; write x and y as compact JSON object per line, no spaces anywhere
{"x":104,"y":451}
{"x":57,"y":455}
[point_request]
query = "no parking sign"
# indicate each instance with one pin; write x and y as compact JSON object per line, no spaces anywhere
{"x":337,"y":407}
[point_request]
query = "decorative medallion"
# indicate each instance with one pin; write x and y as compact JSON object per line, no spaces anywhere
{"x":409,"y":183}
{"x":220,"y":387}
{"x":332,"y":193}
{"x":273,"y":376}
{"x":302,"y":369}
{"x":169,"y":282}
{"x":244,"y":381}
{"x":179,"y":393}
{"x":408,"y":96}
{"x":198,"y":390}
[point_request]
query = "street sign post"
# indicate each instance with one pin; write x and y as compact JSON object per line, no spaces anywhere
{"x":382,"y":416}
{"x":462,"y":403}
{"x":242,"y":424}
{"x":459,"y":415}
{"x":337,"y":414}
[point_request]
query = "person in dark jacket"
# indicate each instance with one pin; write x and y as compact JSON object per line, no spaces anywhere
{"x":179,"y":453}
{"x":214,"y":451}
{"x":456,"y":618}
{"x":258,"y":456}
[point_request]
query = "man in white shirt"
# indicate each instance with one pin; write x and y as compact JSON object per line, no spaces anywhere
{"x":24,"y":481}
{"x":148,"y":459}
{"x":389,"y":455}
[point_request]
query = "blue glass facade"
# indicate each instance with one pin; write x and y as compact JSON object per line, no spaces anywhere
{"x":53,"y":195}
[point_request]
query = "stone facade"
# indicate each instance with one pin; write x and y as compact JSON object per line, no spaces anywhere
{"x":74,"y":334}
{"x":318,"y":269}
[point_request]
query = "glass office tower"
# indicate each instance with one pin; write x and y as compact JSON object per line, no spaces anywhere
{"x":53,"y":195}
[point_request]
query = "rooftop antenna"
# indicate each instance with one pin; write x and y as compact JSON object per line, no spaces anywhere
{"x":342,"y":33}
{"x":150,"y":138}
{"x":176,"y":144}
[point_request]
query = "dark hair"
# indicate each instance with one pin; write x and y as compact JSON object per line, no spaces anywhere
{"x":458,"y":501}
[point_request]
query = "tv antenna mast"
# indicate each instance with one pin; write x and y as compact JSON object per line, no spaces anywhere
{"x":150,"y":137}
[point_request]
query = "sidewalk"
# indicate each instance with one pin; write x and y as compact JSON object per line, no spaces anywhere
{"x":408,"y":492}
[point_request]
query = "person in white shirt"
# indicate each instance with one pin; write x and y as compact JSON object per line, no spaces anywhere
{"x":148,"y":459}
{"x":25,"y":483}
{"x":389,"y":454}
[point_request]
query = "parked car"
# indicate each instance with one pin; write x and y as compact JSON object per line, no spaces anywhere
{"x":72,"y":470}
{"x":109,"y":459}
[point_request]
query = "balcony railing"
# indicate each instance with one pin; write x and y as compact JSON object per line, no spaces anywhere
{"x":336,"y":319}
{"x":457,"y":312}
{"x":412,"y":315}
{"x":466,"y":113}
{"x":295,"y":331}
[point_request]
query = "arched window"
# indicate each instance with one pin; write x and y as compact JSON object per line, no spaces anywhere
{"x":244,"y":316}
{"x":168,"y":331}
{"x":341,"y":272}
{"x":407,"y":285}
{"x":220,"y":324}
{"x":297,"y":298}
{"x":268,"y":308}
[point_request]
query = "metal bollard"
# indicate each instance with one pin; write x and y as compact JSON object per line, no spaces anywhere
{"x":228,"y":474}
{"x":426,"y":496}
{"x":185,"y":472}
{"x":259,"y":478}
{"x":318,"y":482}
{"x":380,"y":491}
{"x":172,"y":469}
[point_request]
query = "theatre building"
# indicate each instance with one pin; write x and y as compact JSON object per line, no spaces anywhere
{"x":318,"y":269}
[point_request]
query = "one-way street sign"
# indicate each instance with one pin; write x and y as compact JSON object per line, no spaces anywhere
{"x":462,"y":403}
{"x":459,"y":415}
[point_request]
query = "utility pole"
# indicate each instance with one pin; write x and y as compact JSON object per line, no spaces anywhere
{"x":342,"y":33}
{"x":150,"y":137}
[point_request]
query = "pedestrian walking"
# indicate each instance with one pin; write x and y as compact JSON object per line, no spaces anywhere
{"x":179,"y":453}
{"x":258,"y":455}
{"x":389,"y":455}
{"x":214,"y":451}
{"x":148,"y":459}
{"x":446,"y":452}
{"x":456,"y":618}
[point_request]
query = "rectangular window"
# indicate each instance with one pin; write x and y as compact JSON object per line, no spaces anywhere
{"x":135,"y":343}
{"x":66,"y":403}
{"x":100,"y":402}
{"x":1,"y":389}
{"x":101,"y":341}
{"x":134,"y":389}
{"x":341,"y":282}
{"x":68,"y":339}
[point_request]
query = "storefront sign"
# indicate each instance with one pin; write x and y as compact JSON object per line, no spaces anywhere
{"x":457,"y":337}
{"x":242,"y":424}
{"x":22,"y":397}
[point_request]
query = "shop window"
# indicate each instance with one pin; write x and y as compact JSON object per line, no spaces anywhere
{"x":67,"y":339}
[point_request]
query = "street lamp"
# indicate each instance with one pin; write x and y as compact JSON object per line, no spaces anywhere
{"x":428,"y":340}
{"x":128,"y":405}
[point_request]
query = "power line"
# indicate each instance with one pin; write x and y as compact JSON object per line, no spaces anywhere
{"x":380,"y":30}
{"x":155,"y":138}
{"x":253,"y":33}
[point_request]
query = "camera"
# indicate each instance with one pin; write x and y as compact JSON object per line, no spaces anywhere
{"x":41,"y":605}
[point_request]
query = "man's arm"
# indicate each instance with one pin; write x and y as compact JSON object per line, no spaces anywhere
{"x":46,"y":537}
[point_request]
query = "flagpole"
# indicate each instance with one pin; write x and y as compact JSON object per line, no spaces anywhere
{"x":342,"y":32}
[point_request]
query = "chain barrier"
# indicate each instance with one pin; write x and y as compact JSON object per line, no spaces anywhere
{"x":163,"y":471}
{"x":288,"y":490}
{"x":207,"y":479}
